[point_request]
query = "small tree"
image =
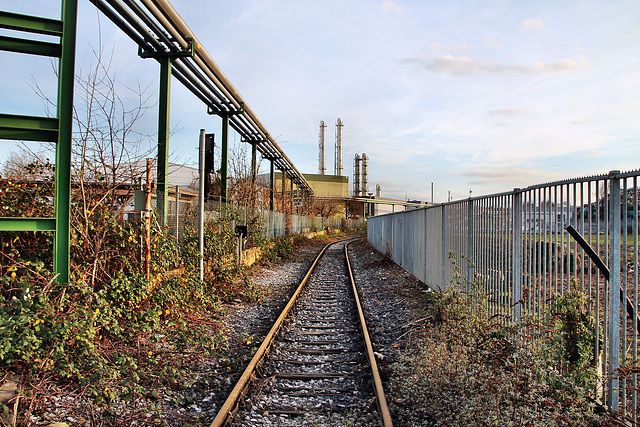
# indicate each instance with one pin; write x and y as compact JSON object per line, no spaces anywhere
{"x":106,"y":148}
{"x":328,"y":207}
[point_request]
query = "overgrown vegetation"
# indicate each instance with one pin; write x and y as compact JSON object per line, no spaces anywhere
{"x":110,"y":328}
{"x":467,"y":368}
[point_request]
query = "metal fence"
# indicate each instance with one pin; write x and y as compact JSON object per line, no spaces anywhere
{"x":516,"y":247}
{"x":265,"y":222}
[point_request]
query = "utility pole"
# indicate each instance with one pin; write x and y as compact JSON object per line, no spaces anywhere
{"x":201,"y":205}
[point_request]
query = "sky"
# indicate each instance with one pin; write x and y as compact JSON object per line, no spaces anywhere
{"x":480,"y":96}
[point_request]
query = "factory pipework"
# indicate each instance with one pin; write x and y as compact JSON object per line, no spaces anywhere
{"x":365,"y":172}
{"x":338,"y":153}
{"x":356,"y":175}
{"x":322,"y":167}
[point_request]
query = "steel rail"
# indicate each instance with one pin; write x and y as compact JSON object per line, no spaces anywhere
{"x":229,"y":406}
{"x":160,"y":29}
{"x":383,"y":408}
{"x":230,"y":403}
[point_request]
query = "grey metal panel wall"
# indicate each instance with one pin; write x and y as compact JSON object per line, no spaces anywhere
{"x":397,"y":236}
{"x":408,"y":231}
{"x":434,"y":248}
{"x":419,"y":244}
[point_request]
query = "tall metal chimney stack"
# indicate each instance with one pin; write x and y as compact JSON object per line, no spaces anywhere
{"x":337,"y":171}
{"x":322,"y":166}
{"x":356,"y":176}
{"x":365,"y":173}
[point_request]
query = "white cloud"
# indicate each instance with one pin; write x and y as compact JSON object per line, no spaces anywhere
{"x":511,"y":175}
{"x":451,"y":47}
{"x":532,"y":24}
{"x":491,"y":43}
{"x":509,"y":113}
{"x":390,"y":6}
{"x":462,"y":66}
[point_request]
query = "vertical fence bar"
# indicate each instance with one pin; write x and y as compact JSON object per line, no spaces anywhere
{"x":604,"y":229}
{"x":614,"y":295}
{"x":503,"y":266}
{"x":470,"y":241}
{"x":485,"y":248}
{"x":634,"y":351}
{"x":537,"y":253}
{"x":575,"y":219}
{"x":563,"y":247}
{"x":443,"y":243}
{"x":529,"y":253}
{"x":516,"y":254}
{"x":623,"y":279}
{"x":491,"y":243}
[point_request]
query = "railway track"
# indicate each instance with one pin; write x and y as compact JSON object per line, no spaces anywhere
{"x":316,"y":365}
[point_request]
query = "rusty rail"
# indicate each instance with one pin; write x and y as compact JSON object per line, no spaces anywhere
{"x":230,"y":404}
{"x":383,"y":409}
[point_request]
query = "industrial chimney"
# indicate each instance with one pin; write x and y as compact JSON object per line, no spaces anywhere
{"x":337,"y":171}
{"x":356,"y":176}
{"x":365,"y":173}
{"x":378,"y":190}
{"x":322,"y":167}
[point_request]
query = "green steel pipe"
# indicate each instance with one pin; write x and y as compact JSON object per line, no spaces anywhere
{"x":61,"y":258}
{"x":162,"y":199}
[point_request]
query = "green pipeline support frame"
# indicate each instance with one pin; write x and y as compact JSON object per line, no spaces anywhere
{"x":272,"y":182}
{"x":47,"y":129}
{"x":165,"y":59}
{"x":224,"y":147}
{"x":164,"y":106}
{"x":224,"y":160}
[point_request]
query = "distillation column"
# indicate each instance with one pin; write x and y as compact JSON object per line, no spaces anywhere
{"x":338,"y":155}
{"x":356,"y":176}
{"x":322,"y":167}
{"x":365,"y":172}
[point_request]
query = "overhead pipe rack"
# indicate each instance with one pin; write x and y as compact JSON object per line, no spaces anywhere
{"x":156,"y":27}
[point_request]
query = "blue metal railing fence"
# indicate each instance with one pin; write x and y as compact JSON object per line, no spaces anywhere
{"x":515,"y":246}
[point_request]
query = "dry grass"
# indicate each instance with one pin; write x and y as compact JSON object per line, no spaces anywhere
{"x":467,"y":370}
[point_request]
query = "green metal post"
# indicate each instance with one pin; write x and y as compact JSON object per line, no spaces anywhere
{"x":225,"y":159}
{"x":254,"y":163}
{"x":254,"y":175}
{"x":272,"y":179}
{"x":284,"y":186}
{"x":162,"y":201}
{"x":61,"y":258}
